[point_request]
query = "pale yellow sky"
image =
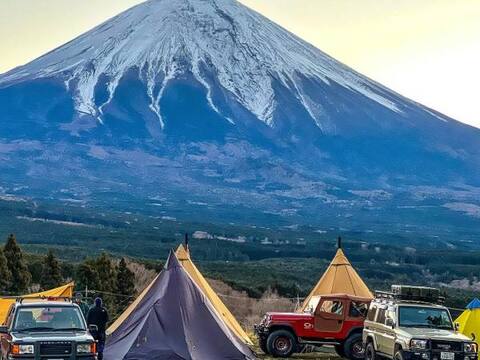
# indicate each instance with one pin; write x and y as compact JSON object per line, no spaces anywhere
{"x":427,"y":50}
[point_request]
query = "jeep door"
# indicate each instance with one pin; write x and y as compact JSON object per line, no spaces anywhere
{"x":329,"y":316}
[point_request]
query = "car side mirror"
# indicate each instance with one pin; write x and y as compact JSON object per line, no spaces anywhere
{"x":93,"y":328}
{"x":3,"y":329}
{"x":390,"y":323}
{"x":456,"y":326}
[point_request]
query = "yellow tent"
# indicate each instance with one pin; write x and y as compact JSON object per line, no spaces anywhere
{"x":183,"y":257}
{"x":62,"y":291}
{"x":339,"y":278}
{"x":469,"y":320}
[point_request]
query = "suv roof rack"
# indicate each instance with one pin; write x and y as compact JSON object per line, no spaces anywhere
{"x":20,"y":299}
{"x":411,"y":294}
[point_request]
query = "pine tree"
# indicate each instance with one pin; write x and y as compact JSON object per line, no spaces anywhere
{"x":21,"y":277}
{"x":51,"y":272}
{"x":5,"y":274}
{"x":125,"y":279}
{"x":87,"y":275}
{"x":107,"y":286}
{"x":107,"y":273}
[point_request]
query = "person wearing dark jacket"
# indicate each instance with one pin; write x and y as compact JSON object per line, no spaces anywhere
{"x":98,"y":315}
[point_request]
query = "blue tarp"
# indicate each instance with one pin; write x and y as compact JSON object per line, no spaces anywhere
{"x":174,"y":321}
{"x":474,"y":304}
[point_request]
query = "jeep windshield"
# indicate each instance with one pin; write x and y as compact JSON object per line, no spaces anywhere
{"x":48,"y":318}
{"x":411,"y":316}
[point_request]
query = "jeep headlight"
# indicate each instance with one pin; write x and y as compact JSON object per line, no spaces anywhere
{"x":87,"y":348}
{"x":418,"y":344}
{"x":470,"y":347}
{"x":23,"y":349}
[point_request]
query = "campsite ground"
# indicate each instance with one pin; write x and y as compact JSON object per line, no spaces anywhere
{"x":311,"y":356}
{"x":326,"y":353}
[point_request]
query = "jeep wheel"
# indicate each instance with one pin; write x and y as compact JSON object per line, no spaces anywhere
{"x":353,"y":347}
{"x":281,"y":343}
{"x":262,"y":342}
{"x":370,"y":353}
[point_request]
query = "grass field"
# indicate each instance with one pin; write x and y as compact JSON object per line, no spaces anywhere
{"x":325,"y":354}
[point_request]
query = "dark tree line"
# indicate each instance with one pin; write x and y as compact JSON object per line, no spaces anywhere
{"x":115,"y":283}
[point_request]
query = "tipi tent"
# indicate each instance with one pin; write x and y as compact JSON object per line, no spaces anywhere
{"x":62,"y":291}
{"x":339,"y":278}
{"x":183,"y":255}
{"x":469,"y":320}
{"x":174,"y":320}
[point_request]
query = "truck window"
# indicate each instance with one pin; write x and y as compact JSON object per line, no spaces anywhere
{"x":381,"y":317}
{"x":332,"y":307}
{"x":371,"y":313}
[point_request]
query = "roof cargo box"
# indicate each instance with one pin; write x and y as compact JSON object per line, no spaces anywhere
{"x":419,"y":293}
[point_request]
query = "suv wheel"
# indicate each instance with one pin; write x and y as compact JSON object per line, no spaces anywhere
{"x":370,"y":353}
{"x":281,"y":343}
{"x":398,"y":355}
{"x":354,"y":348}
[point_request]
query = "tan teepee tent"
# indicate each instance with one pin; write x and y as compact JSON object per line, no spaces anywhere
{"x":339,"y":278}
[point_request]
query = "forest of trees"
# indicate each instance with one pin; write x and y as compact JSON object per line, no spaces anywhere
{"x":103,"y":276}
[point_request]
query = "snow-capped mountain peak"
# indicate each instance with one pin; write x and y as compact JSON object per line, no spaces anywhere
{"x":245,"y":52}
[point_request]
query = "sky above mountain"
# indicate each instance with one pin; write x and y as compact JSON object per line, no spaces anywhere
{"x":428,"y":51}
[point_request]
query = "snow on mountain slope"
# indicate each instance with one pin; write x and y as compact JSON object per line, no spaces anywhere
{"x":181,"y":102}
{"x":165,"y":38}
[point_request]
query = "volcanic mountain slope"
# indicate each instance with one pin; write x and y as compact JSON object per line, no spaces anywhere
{"x":209,"y":103}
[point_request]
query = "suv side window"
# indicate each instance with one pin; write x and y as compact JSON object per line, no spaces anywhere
{"x":391,"y":314}
{"x":371,"y":313}
{"x":381,"y":316}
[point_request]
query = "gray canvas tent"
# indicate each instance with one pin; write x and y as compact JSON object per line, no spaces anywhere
{"x":174,"y":321}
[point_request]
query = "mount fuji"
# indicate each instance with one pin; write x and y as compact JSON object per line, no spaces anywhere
{"x":206,"y":109}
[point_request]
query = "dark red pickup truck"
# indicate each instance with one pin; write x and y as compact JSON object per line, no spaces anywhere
{"x":329,"y":320}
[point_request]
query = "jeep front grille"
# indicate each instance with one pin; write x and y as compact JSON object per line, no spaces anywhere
{"x":56,"y":348}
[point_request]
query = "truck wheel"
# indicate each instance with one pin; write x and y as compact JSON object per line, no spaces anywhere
{"x":354,"y":348}
{"x":370,"y":353}
{"x":398,"y":355}
{"x":281,"y":343}
{"x":262,"y":342}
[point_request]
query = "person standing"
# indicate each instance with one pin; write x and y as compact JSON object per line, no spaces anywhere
{"x":98,"y":316}
{"x":84,"y":308}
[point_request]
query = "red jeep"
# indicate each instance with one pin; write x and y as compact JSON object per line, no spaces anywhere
{"x":329,"y":320}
